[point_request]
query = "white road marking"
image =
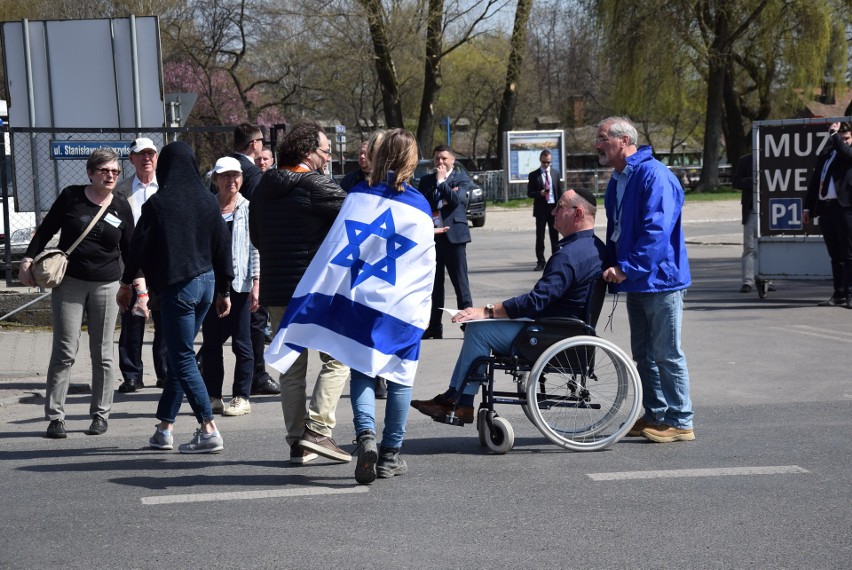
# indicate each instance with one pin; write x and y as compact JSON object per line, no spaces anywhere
{"x":243,"y":495}
{"x":817,"y":332}
{"x":717,"y":472}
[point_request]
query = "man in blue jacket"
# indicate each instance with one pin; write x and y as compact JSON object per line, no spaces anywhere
{"x":645,"y":240}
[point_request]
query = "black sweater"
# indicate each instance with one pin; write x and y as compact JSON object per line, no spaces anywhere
{"x":101,"y":253}
{"x":181,"y":233}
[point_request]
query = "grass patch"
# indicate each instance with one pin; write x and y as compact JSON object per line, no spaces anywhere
{"x":519,"y":203}
{"x":720,"y":193}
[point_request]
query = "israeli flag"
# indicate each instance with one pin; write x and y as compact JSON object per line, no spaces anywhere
{"x":366,"y":297}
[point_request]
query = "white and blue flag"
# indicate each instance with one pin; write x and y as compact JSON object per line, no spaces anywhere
{"x":366,"y":297}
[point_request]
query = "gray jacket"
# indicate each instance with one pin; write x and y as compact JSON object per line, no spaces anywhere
{"x":246,"y":259}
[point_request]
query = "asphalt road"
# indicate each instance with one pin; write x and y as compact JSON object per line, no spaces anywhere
{"x":766,"y":484}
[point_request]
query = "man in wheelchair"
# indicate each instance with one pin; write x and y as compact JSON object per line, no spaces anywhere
{"x":562,"y":291}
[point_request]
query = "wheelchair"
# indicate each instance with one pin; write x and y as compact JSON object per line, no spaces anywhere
{"x":582,"y":392}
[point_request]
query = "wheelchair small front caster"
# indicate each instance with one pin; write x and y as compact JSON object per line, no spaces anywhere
{"x":495,"y":433}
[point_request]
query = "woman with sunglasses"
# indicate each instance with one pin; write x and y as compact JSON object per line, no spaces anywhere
{"x":89,"y":286}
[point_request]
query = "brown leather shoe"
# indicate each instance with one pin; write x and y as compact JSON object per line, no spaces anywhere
{"x":439,"y":399}
{"x":435,"y":409}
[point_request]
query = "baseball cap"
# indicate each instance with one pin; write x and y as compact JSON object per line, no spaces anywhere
{"x":143,"y":143}
{"x":226,"y":164}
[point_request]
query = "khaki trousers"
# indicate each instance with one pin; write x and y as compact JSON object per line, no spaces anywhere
{"x":317,"y":414}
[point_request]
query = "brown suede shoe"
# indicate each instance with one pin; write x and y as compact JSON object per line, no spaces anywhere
{"x":438,"y":409}
{"x":636,"y":430}
{"x":322,"y":445}
{"x":667,"y":434}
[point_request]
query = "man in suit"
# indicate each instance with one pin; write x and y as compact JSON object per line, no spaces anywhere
{"x":248,"y":146}
{"x":137,"y":190}
{"x":545,"y":188}
{"x":829,"y":198}
{"x":447,"y":190}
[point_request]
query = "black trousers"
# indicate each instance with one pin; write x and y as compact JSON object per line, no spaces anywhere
{"x":540,"y":223}
{"x":835,"y":221}
{"x":215,"y":332}
{"x":130,"y":344}
{"x":452,"y":259}
{"x":258,"y":335}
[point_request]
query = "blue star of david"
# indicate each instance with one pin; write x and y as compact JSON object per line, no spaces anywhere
{"x":358,"y":232}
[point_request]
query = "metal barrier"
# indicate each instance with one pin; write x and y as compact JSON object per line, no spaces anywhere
{"x":594,"y":179}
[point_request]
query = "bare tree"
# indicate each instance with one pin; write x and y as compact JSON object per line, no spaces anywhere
{"x":385,"y":70}
{"x":467,"y":21}
{"x":505,"y":121}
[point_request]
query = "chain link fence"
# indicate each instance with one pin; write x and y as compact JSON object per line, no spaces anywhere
{"x":39,"y":162}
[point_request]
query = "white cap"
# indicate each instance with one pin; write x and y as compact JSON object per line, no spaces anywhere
{"x":143,"y":143}
{"x":226,"y":164}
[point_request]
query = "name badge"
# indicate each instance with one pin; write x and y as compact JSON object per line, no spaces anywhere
{"x":112,"y":220}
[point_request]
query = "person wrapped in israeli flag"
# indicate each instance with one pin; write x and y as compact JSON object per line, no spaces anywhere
{"x":366,"y":296}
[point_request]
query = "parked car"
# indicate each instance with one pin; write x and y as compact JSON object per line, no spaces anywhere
{"x":18,"y":243}
{"x":476,"y":198}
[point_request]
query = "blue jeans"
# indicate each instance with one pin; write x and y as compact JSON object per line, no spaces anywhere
{"x":362,"y":391}
{"x":480,"y":338}
{"x":655,"y":327}
{"x":183,"y":307}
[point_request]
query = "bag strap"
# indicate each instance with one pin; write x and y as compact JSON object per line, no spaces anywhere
{"x":91,"y":225}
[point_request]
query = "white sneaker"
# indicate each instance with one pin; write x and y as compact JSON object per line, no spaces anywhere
{"x":218,"y":405}
{"x":237,"y":407}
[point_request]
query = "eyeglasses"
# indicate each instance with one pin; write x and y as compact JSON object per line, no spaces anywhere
{"x":602,"y":139}
{"x":105,"y":171}
{"x":561,"y":206}
{"x":327,"y":152}
{"x":230,"y":174}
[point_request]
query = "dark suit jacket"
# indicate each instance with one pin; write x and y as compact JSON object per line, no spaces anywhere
{"x":251,"y":175}
{"x":454,"y":210}
{"x":535,"y":185}
{"x":351,"y":179}
{"x":840,"y":171}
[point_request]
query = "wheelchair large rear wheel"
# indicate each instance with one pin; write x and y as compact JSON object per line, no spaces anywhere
{"x":584,"y":393}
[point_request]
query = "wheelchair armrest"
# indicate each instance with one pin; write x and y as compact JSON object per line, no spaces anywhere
{"x":568,"y":322}
{"x":559,"y":320}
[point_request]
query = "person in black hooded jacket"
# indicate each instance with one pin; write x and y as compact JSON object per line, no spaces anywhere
{"x":183,"y":246}
{"x":291,"y":212}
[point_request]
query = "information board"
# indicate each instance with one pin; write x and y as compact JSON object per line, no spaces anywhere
{"x":523,"y":149}
{"x":786,"y":154}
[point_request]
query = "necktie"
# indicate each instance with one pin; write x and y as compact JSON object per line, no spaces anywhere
{"x":823,"y":186}
{"x":547,"y":186}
